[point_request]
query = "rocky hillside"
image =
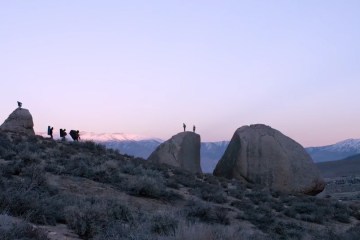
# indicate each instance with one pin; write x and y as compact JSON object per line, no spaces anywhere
{"x":81,"y":190}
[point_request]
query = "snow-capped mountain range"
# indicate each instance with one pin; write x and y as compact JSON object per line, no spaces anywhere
{"x":211,"y":152}
{"x":335,"y":151}
{"x":105,"y":137}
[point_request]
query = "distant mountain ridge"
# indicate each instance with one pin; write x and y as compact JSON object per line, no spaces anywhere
{"x":335,"y":151}
{"x":211,"y":152}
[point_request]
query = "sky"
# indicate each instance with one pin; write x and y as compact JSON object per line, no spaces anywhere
{"x":147,"y":67}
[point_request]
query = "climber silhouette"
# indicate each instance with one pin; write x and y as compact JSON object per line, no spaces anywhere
{"x":184,"y":126}
{"x":50,"y":131}
{"x":19,"y":104}
{"x":75,"y":135}
{"x":194,"y":128}
{"x":63,"y":134}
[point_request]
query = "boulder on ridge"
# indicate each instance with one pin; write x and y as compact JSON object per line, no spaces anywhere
{"x":19,"y":121}
{"x":263,"y":155}
{"x":181,"y":150}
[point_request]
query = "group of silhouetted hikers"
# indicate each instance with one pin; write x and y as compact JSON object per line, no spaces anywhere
{"x":75,"y":134}
{"x":184,"y":126}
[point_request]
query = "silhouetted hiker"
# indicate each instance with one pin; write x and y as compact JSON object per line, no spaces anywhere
{"x":19,"y":104}
{"x":50,"y":131}
{"x":63,"y":134}
{"x":75,"y":135}
{"x":184,"y":126}
{"x":194,"y":128}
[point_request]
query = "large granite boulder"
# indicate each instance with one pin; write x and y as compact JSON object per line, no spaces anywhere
{"x":19,"y":121}
{"x":182,"y":150}
{"x":265,"y":156}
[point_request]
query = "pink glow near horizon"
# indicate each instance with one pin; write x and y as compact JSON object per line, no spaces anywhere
{"x":145,"y":68}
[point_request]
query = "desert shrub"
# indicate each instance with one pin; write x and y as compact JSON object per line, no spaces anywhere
{"x":307,"y":209}
{"x":6,"y":148}
{"x":290,"y":212}
{"x":182,"y":172}
{"x":206,"y":213}
{"x":277,"y":206}
{"x":315,"y":218}
{"x":203,"y":231}
{"x":355,"y":211}
{"x":188,"y":181}
{"x":342,"y":217}
{"x":243,"y":205}
{"x":258,"y":197}
{"x":131,"y":168}
{"x":90,"y":216}
{"x":304,"y":207}
{"x":223,"y":182}
{"x":81,"y":165}
{"x":28,"y":196}
{"x":337,"y":211}
{"x":171,"y":183}
{"x":31,"y":204}
{"x":236,"y":193}
{"x":163,"y":224}
{"x":211,"y":179}
{"x":261,"y":217}
{"x":287,"y":199}
{"x":152,"y":188}
{"x":119,"y":212}
{"x":164,"y":168}
{"x":24,"y":231}
{"x":13,"y":168}
{"x":328,"y":234}
{"x":286,"y":230}
{"x":93,"y":147}
{"x":210,"y":193}
{"x":110,"y":176}
{"x":116,"y":231}
{"x":352,"y":233}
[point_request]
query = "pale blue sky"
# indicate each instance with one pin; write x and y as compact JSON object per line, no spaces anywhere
{"x":145,"y":67}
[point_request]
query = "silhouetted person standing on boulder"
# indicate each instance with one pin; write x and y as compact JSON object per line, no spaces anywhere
{"x":63,"y":134}
{"x":19,"y":104}
{"x":194,"y":128}
{"x":75,"y":135}
{"x":50,"y":131}
{"x":184,"y":126}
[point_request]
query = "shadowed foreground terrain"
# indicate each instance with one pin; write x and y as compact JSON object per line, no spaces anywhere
{"x":80,"y":190}
{"x":349,"y":166}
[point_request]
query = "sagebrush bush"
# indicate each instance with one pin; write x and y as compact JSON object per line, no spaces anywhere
{"x":90,"y":216}
{"x":151,"y":188}
{"x":258,"y":197}
{"x":164,"y":224}
{"x":10,"y":230}
{"x":210,"y":193}
{"x":29,"y":196}
{"x":204,"y":212}
{"x":286,"y":230}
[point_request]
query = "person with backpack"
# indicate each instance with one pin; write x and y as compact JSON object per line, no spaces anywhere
{"x":50,"y":132}
{"x":75,"y":135}
{"x":63,"y":134}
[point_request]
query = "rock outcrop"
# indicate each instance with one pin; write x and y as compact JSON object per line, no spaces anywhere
{"x":19,"y":121}
{"x":182,"y":150}
{"x":265,"y":156}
